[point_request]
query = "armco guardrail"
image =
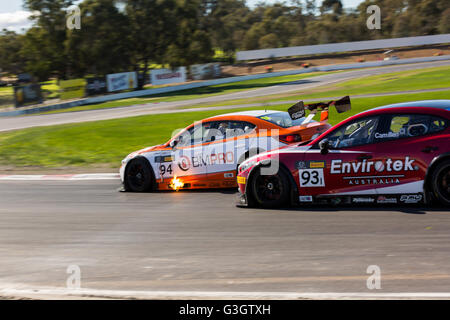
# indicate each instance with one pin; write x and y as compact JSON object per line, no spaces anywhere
{"x":149,"y":92}
{"x":342,"y":47}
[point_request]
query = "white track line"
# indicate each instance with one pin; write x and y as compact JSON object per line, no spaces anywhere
{"x":61,"y":177}
{"x":121,"y":294}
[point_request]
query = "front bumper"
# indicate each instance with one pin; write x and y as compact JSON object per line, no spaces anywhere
{"x":122,"y":172}
{"x":241,"y":200}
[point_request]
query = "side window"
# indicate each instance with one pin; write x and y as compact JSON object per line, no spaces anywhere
{"x":196,"y":134}
{"x":411,"y":125}
{"x":437,"y":124}
{"x":221,"y":130}
{"x":359,"y":132}
{"x":239,"y":128}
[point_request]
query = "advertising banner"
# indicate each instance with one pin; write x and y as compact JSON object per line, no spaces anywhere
{"x":72,"y":89}
{"x":205,"y":71}
{"x":96,"y":86}
{"x":167,"y":76}
{"x":29,"y":94}
{"x":121,"y":81}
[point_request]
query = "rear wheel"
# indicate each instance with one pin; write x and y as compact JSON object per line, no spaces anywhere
{"x":441,"y":182}
{"x":270,"y":191}
{"x":138,"y":176}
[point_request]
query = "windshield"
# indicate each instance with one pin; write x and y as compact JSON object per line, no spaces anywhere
{"x":282,"y":119}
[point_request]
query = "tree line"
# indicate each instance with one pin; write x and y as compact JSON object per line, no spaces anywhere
{"x":130,"y":35}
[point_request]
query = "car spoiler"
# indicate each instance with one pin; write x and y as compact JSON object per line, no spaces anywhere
{"x":298,"y":110}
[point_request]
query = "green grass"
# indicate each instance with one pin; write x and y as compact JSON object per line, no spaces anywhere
{"x":6,"y":97}
{"x":107,"y":142}
{"x":195,"y":93}
{"x":50,"y":89}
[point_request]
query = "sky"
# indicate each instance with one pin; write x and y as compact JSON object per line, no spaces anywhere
{"x":13,"y":16}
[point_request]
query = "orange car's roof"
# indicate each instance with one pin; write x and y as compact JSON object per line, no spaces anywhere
{"x":251,"y":116}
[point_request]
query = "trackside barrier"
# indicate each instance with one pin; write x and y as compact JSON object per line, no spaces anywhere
{"x":342,"y":47}
{"x":149,"y":92}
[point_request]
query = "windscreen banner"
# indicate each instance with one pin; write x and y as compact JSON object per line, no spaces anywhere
{"x":72,"y":89}
{"x":27,"y":95}
{"x":168,"y":76}
{"x":121,"y":81}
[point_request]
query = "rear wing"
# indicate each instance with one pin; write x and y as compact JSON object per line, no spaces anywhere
{"x":298,"y":110}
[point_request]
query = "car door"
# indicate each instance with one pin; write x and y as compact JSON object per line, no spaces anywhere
{"x":408,"y":144}
{"x":347,"y":167}
{"x":188,"y":154}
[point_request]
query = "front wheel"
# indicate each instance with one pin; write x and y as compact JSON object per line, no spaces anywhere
{"x":138,"y":176}
{"x":270,"y":191}
{"x":441,"y":182}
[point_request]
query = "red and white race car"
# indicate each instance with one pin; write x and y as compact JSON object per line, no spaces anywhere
{"x":393,"y":154}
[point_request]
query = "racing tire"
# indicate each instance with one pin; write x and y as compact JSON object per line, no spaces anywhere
{"x":138,"y":176}
{"x":440,"y":183}
{"x":270,"y":191}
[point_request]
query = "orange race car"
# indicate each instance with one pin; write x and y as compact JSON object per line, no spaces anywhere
{"x":207,"y":153}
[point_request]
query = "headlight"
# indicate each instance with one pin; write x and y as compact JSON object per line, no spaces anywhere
{"x":246,"y":165}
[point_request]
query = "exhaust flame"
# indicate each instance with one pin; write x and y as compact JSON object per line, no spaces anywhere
{"x":176,"y":184}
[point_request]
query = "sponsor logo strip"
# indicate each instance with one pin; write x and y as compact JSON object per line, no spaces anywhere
{"x":241,"y":180}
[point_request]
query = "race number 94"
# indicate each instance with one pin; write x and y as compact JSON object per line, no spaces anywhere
{"x":311,"y":178}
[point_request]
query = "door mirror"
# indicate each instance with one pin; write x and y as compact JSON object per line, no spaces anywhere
{"x":173,"y":143}
{"x":324,"y":146}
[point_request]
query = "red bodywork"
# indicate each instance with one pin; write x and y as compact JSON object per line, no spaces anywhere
{"x":389,"y":169}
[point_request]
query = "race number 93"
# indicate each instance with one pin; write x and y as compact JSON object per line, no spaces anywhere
{"x":311,"y":178}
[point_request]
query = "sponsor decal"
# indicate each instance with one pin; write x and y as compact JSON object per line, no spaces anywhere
{"x":390,"y":135}
{"x":411,"y":198}
{"x":228,"y":175}
{"x":363,"y":200}
{"x":311,"y":178}
{"x":383,"y":199}
{"x":185,"y":163}
{"x":241,"y":180}
{"x":214,"y":185}
{"x":374,"y":167}
{"x":305,"y":198}
{"x":316,"y":164}
{"x":373,"y":180}
{"x":300,"y":165}
{"x":388,"y":165}
{"x":297,"y":111}
{"x":160,"y":159}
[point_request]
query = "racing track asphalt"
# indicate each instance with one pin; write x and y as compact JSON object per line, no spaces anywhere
{"x":15,"y":123}
{"x":199,"y":241}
